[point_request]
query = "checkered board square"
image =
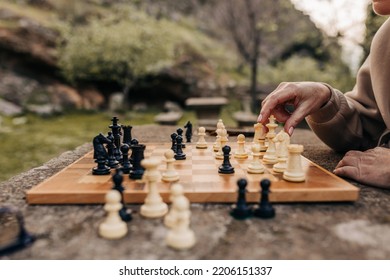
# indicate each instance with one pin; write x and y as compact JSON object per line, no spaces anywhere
{"x":200,"y":179}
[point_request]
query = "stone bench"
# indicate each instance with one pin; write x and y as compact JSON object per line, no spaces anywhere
{"x":168,"y":118}
{"x":207,"y":109}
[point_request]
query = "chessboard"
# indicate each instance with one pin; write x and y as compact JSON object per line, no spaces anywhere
{"x":199,"y":177}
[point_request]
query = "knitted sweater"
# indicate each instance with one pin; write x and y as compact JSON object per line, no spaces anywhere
{"x":360,"y":119}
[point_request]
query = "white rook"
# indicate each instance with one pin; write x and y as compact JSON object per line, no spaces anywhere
{"x":294,"y":171}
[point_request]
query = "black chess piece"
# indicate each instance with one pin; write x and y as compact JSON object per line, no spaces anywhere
{"x":137,"y":154}
{"x":174,"y":143}
{"x":179,"y":151}
{"x":100,"y":155}
{"x":241,"y":210}
{"x":226,"y":167}
{"x":127,"y":134}
{"x":116,"y":132}
{"x":180,"y":133}
{"x":188,"y":128}
{"x":111,"y":159}
{"x":126,"y":165}
{"x":265,"y":209}
{"x":133,"y":142}
{"x":117,"y":178}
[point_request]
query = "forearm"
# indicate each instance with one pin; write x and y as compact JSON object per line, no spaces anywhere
{"x":339,"y":125}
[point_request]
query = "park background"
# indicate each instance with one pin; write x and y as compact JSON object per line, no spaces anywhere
{"x":67,"y":66}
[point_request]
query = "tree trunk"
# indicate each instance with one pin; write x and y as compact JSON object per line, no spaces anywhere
{"x":253,"y":88}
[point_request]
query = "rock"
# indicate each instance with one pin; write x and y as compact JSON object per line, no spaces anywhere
{"x":92,"y":99}
{"x":116,"y":102}
{"x":65,"y":97}
{"x":9,"y":109}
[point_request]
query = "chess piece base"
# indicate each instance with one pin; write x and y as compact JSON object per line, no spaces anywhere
{"x":110,"y":231}
{"x":292,"y":177}
{"x":181,"y":241}
{"x":270,"y":159}
{"x":201,"y":146}
{"x":99,"y":171}
{"x":241,"y":214}
{"x":264,"y":213}
{"x":170,"y":178}
{"x":224,"y":170}
{"x":255,"y":170}
{"x":154,"y":211}
{"x":280,"y":167}
{"x":241,"y":156}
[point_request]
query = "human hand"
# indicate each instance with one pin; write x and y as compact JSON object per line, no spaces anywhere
{"x":371,"y":167}
{"x":305,"y":97}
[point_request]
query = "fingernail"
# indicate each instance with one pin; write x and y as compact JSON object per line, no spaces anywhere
{"x":259,"y":118}
{"x":290,"y":131}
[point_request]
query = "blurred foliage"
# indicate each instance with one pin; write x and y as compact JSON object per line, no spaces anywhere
{"x":373,"y":22}
{"x":298,"y":68}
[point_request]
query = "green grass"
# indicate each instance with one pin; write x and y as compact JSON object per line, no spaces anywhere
{"x":36,"y":140}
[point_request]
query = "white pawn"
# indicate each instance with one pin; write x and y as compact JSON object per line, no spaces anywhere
{"x":294,"y":171}
{"x":180,"y":236}
{"x":170,"y":218}
{"x":154,"y":207}
{"x":256,"y":167}
{"x":241,"y":153}
{"x":223,"y":139}
{"x":220,"y":127}
{"x":170,"y":174}
{"x":113,"y":227}
{"x":270,"y":155}
{"x":201,"y":144}
{"x":282,"y":151}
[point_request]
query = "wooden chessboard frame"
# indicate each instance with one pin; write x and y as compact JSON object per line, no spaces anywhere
{"x":199,"y":176}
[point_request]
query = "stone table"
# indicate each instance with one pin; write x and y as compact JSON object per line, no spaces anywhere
{"x":359,"y":230}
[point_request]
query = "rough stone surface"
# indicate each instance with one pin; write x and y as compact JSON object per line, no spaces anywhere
{"x":358,"y":230}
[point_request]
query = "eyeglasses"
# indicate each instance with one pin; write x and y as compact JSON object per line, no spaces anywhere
{"x":13,"y":235}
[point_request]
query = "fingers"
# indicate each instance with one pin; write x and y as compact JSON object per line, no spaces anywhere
{"x":351,"y":172}
{"x":274,"y":102}
{"x":350,"y":166}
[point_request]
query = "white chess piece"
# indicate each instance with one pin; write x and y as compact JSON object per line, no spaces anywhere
{"x":223,"y":139}
{"x":113,"y":227}
{"x":201,"y":144}
{"x":270,"y":155}
{"x":170,"y":218}
{"x":180,"y":236}
{"x":170,"y":174}
{"x":241,"y":153}
{"x":217,"y":143}
{"x":259,"y":136}
{"x":154,"y":207}
{"x":282,"y":151}
{"x":294,"y":171}
{"x":256,"y":167}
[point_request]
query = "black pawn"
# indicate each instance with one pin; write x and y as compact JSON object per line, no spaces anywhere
{"x":226,"y":167}
{"x":179,"y":151}
{"x":137,"y":154}
{"x":126,"y":165}
{"x":174,"y":143}
{"x":180,"y":133}
{"x":241,"y":210}
{"x":265,"y":209}
{"x":117,"y":178}
{"x":188,"y":128}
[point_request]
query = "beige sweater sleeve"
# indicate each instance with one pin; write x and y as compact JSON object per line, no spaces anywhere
{"x":357,"y":119}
